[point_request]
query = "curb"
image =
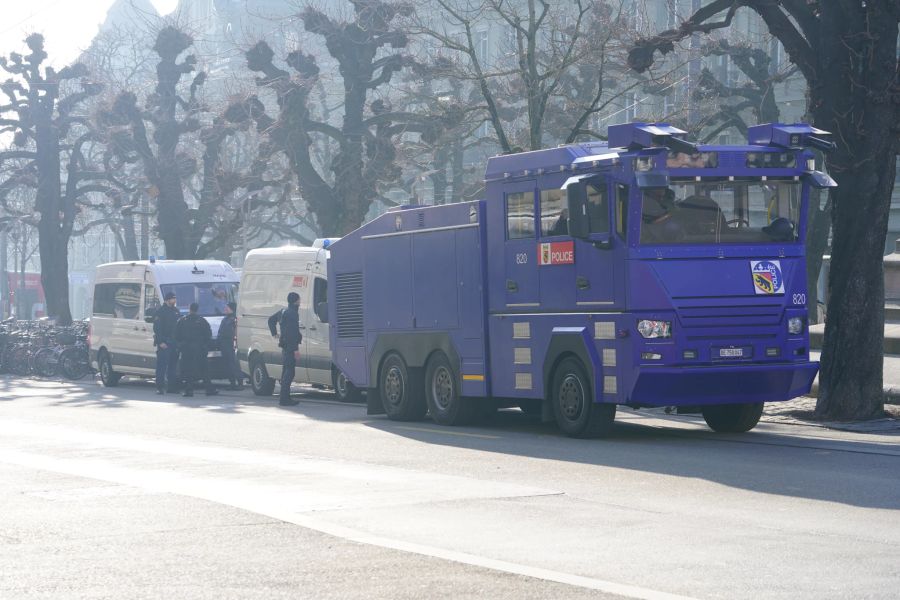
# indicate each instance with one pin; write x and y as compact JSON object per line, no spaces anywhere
{"x":891,"y":392}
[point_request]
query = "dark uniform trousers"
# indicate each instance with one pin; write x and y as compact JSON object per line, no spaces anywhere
{"x":288,"y":368}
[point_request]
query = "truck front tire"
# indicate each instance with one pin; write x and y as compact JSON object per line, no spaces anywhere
{"x":577,"y":415}
{"x":732,"y":418}
{"x":400,"y":390}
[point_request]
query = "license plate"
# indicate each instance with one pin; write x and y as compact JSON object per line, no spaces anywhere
{"x":214,"y":353}
{"x":731,"y":352}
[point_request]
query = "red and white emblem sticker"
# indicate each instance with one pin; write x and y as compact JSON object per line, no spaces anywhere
{"x":299,"y":281}
{"x":557,"y":253}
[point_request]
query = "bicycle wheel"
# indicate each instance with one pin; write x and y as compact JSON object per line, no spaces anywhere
{"x":74,"y":363}
{"x":45,"y":362}
{"x":20,"y":361}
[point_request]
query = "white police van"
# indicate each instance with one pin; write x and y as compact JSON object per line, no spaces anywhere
{"x":126,"y":297}
{"x":267,"y":277}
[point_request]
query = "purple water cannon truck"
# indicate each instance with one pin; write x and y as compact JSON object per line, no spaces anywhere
{"x":645,"y":271}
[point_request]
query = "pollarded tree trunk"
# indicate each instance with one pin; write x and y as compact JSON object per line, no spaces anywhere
{"x":53,"y":237}
{"x":857,"y":99}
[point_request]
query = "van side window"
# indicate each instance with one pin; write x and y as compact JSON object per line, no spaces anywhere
{"x":554,"y":213}
{"x":520,"y":215}
{"x":598,"y":208}
{"x":119,"y":300}
{"x":151,"y":299}
{"x":320,"y":294}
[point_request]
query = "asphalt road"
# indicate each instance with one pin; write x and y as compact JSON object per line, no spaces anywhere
{"x":119,"y":493}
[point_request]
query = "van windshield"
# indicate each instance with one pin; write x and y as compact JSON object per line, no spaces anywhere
{"x":211,"y":296}
{"x":721,"y":212}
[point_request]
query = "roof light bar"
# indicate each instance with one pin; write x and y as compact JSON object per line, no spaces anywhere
{"x":795,"y":137}
{"x":648,"y":135}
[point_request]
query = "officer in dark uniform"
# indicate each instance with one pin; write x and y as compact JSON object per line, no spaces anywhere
{"x":288,"y":321}
{"x":166,"y":349}
{"x":193,"y":334}
{"x":227,"y":332}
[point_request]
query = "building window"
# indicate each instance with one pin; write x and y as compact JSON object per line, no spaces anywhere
{"x":481,"y":46}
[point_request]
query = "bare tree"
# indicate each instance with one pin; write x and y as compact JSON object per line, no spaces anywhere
{"x":847,"y":51}
{"x":340,"y":189}
{"x":154,"y":136}
{"x":41,"y":109}
{"x":559,"y":66}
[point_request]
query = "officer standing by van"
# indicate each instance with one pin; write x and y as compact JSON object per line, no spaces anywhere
{"x":193,"y":335}
{"x":227,"y":332}
{"x":288,"y":321}
{"x":166,"y":350}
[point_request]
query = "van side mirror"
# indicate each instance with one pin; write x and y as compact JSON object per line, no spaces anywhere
{"x":322,"y":311}
{"x":576,"y":196}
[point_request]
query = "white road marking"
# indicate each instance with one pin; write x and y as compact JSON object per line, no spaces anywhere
{"x":370,"y":483}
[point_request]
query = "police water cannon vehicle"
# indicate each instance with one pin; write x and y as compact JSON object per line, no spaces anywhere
{"x":647,"y":271}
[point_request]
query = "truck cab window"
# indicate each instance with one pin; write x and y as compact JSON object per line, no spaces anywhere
{"x":554,"y":214}
{"x":520,"y":215}
{"x":598,"y":208}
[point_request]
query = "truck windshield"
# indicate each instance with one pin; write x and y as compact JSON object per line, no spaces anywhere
{"x":721,"y":212}
{"x":211,"y":296}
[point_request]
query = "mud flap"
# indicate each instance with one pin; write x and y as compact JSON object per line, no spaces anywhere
{"x":374,"y":406}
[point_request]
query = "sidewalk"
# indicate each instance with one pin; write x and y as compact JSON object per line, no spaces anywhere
{"x":891,"y":377}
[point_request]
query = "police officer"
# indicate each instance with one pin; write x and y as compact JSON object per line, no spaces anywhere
{"x":227,"y":332}
{"x":193,"y":334}
{"x":166,"y":350}
{"x":288,"y":321}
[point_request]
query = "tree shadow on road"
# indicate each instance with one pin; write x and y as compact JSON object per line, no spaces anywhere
{"x":768,"y":460}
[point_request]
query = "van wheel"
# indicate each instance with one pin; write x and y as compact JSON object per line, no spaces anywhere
{"x":108,"y":377}
{"x":733,"y":418}
{"x":442,"y":393}
{"x":401,"y":392}
{"x":343,"y":388}
{"x":262,"y":384}
{"x":577,"y":415}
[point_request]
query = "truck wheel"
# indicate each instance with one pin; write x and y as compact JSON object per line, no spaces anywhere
{"x":733,"y":418}
{"x":343,"y":389}
{"x":108,"y":377}
{"x":262,"y":384}
{"x":442,"y":393}
{"x":577,"y":415}
{"x":400,"y":393}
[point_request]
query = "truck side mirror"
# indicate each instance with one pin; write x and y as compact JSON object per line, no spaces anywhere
{"x":322,"y":311}
{"x":576,"y":196}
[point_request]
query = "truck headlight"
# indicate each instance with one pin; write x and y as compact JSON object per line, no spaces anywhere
{"x":795,"y":325}
{"x":650,"y":329}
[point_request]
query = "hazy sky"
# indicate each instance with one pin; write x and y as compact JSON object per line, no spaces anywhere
{"x":68,"y":25}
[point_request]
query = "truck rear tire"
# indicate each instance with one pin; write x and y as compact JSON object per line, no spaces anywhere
{"x":445,"y":404}
{"x":343,"y":388}
{"x":577,"y":415}
{"x":733,"y":418}
{"x":260,"y":382}
{"x":401,"y":392}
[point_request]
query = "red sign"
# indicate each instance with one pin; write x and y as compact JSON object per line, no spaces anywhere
{"x":557,"y":253}
{"x":299,"y":281}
